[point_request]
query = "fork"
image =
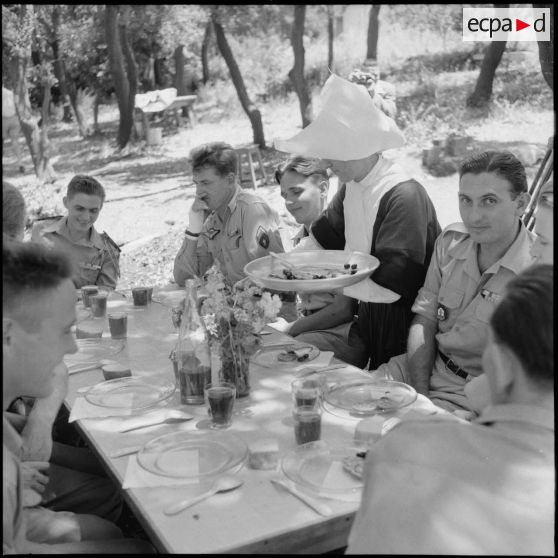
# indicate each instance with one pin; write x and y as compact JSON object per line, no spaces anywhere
{"x":174,"y":415}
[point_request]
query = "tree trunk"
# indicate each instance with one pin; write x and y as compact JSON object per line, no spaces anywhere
{"x":179,"y":62}
{"x":19,"y":58}
{"x":546,"y":49}
{"x":59,"y":69}
{"x":125,"y":79}
{"x":373,"y":32}
{"x":330,"y":15}
{"x":78,"y":112}
{"x":296,"y":74}
{"x":492,"y":57}
{"x":483,"y":89}
{"x":249,"y":108}
{"x":205,"y":53}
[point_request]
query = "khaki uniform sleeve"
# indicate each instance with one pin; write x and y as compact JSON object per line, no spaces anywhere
{"x":260,"y":231}
{"x":110,"y":265}
{"x":193,"y":259}
{"x":426,"y":302}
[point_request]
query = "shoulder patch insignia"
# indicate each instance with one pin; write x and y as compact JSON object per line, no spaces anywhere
{"x":262,"y":238}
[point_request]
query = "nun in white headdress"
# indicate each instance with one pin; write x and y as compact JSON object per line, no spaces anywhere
{"x":379,"y":209}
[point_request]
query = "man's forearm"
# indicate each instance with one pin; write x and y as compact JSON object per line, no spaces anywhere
{"x":186,"y":262}
{"x":338,"y":312}
{"x":421,"y":353}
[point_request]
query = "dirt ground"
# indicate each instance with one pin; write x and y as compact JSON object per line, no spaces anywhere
{"x":149,"y":189}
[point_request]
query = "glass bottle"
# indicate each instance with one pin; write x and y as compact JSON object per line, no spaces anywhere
{"x":193,"y":357}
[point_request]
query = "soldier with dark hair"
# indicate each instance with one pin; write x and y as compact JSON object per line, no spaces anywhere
{"x":227,"y":224}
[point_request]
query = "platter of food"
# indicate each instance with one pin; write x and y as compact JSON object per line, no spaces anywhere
{"x":311,"y":270}
{"x":274,"y":356}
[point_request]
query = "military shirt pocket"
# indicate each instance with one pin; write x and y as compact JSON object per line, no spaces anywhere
{"x":89,"y":272}
{"x":451,"y":298}
{"x":484,"y":309}
{"x":233,"y":241}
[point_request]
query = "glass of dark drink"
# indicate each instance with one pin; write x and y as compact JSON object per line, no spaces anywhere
{"x":142,"y":295}
{"x":220,"y":398}
{"x":306,"y":392}
{"x":86,"y":292}
{"x":99,"y":304}
{"x":118,"y":325}
{"x":307,"y":423}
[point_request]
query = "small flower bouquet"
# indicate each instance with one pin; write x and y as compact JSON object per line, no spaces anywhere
{"x":234,"y":316}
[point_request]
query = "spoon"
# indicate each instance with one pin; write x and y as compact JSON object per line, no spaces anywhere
{"x":222,"y":484}
{"x":85,"y":366}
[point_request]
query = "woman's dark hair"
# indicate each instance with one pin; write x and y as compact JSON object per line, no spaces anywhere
{"x":524,"y":322}
{"x":503,"y":163}
{"x":218,"y":155}
{"x":302,"y":165}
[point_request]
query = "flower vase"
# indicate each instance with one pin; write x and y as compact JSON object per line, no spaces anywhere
{"x":235,"y":364}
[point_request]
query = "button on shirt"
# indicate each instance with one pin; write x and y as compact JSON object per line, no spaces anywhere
{"x":249,"y":230}
{"x":95,"y":260}
{"x":461,"y":300}
{"x":436,"y":485}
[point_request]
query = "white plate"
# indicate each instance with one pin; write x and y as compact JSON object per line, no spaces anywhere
{"x":193,"y":455}
{"x":317,"y":468}
{"x":269,"y":356}
{"x":259,"y":270}
{"x":134,"y":393}
{"x":362,"y":398}
{"x":95,"y":349}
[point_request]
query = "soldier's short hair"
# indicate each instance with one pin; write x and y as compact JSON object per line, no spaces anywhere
{"x":84,"y":184}
{"x":28,"y":271}
{"x":302,"y":165}
{"x":524,"y":322}
{"x":13,"y":210}
{"x":503,"y":163}
{"x":217,"y":155}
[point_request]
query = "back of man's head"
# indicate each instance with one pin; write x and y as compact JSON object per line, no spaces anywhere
{"x":217,"y":155}
{"x":524,"y":323}
{"x":29,"y":270}
{"x":502,"y":163}
{"x":84,"y":184}
{"x":13,"y":211}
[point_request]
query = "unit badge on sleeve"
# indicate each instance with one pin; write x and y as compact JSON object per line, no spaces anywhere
{"x":442,"y":313}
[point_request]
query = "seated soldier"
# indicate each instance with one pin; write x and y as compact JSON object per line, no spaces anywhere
{"x":56,"y":476}
{"x":542,"y":251}
{"x":227,"y":224}
{"x":326,"y":319}
{"x":38,"y":311}
{"x":438,"y":485}
{"x":472,"y":263}
{"x":95,"y":256}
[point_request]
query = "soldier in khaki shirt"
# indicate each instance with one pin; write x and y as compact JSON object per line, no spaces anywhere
{"x":226,"y":224}
{"x":471,"y":264}
{"x":95,"y":257}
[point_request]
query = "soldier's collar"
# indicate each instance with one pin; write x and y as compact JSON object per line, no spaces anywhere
{"x":231,"y":206}
{"x":61,"y":227}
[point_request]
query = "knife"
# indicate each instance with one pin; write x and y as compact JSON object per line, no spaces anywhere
{"x":320,"y":507}
{"x":124,"y":451}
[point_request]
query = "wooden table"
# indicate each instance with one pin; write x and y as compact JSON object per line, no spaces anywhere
{"x":256,"y":518}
